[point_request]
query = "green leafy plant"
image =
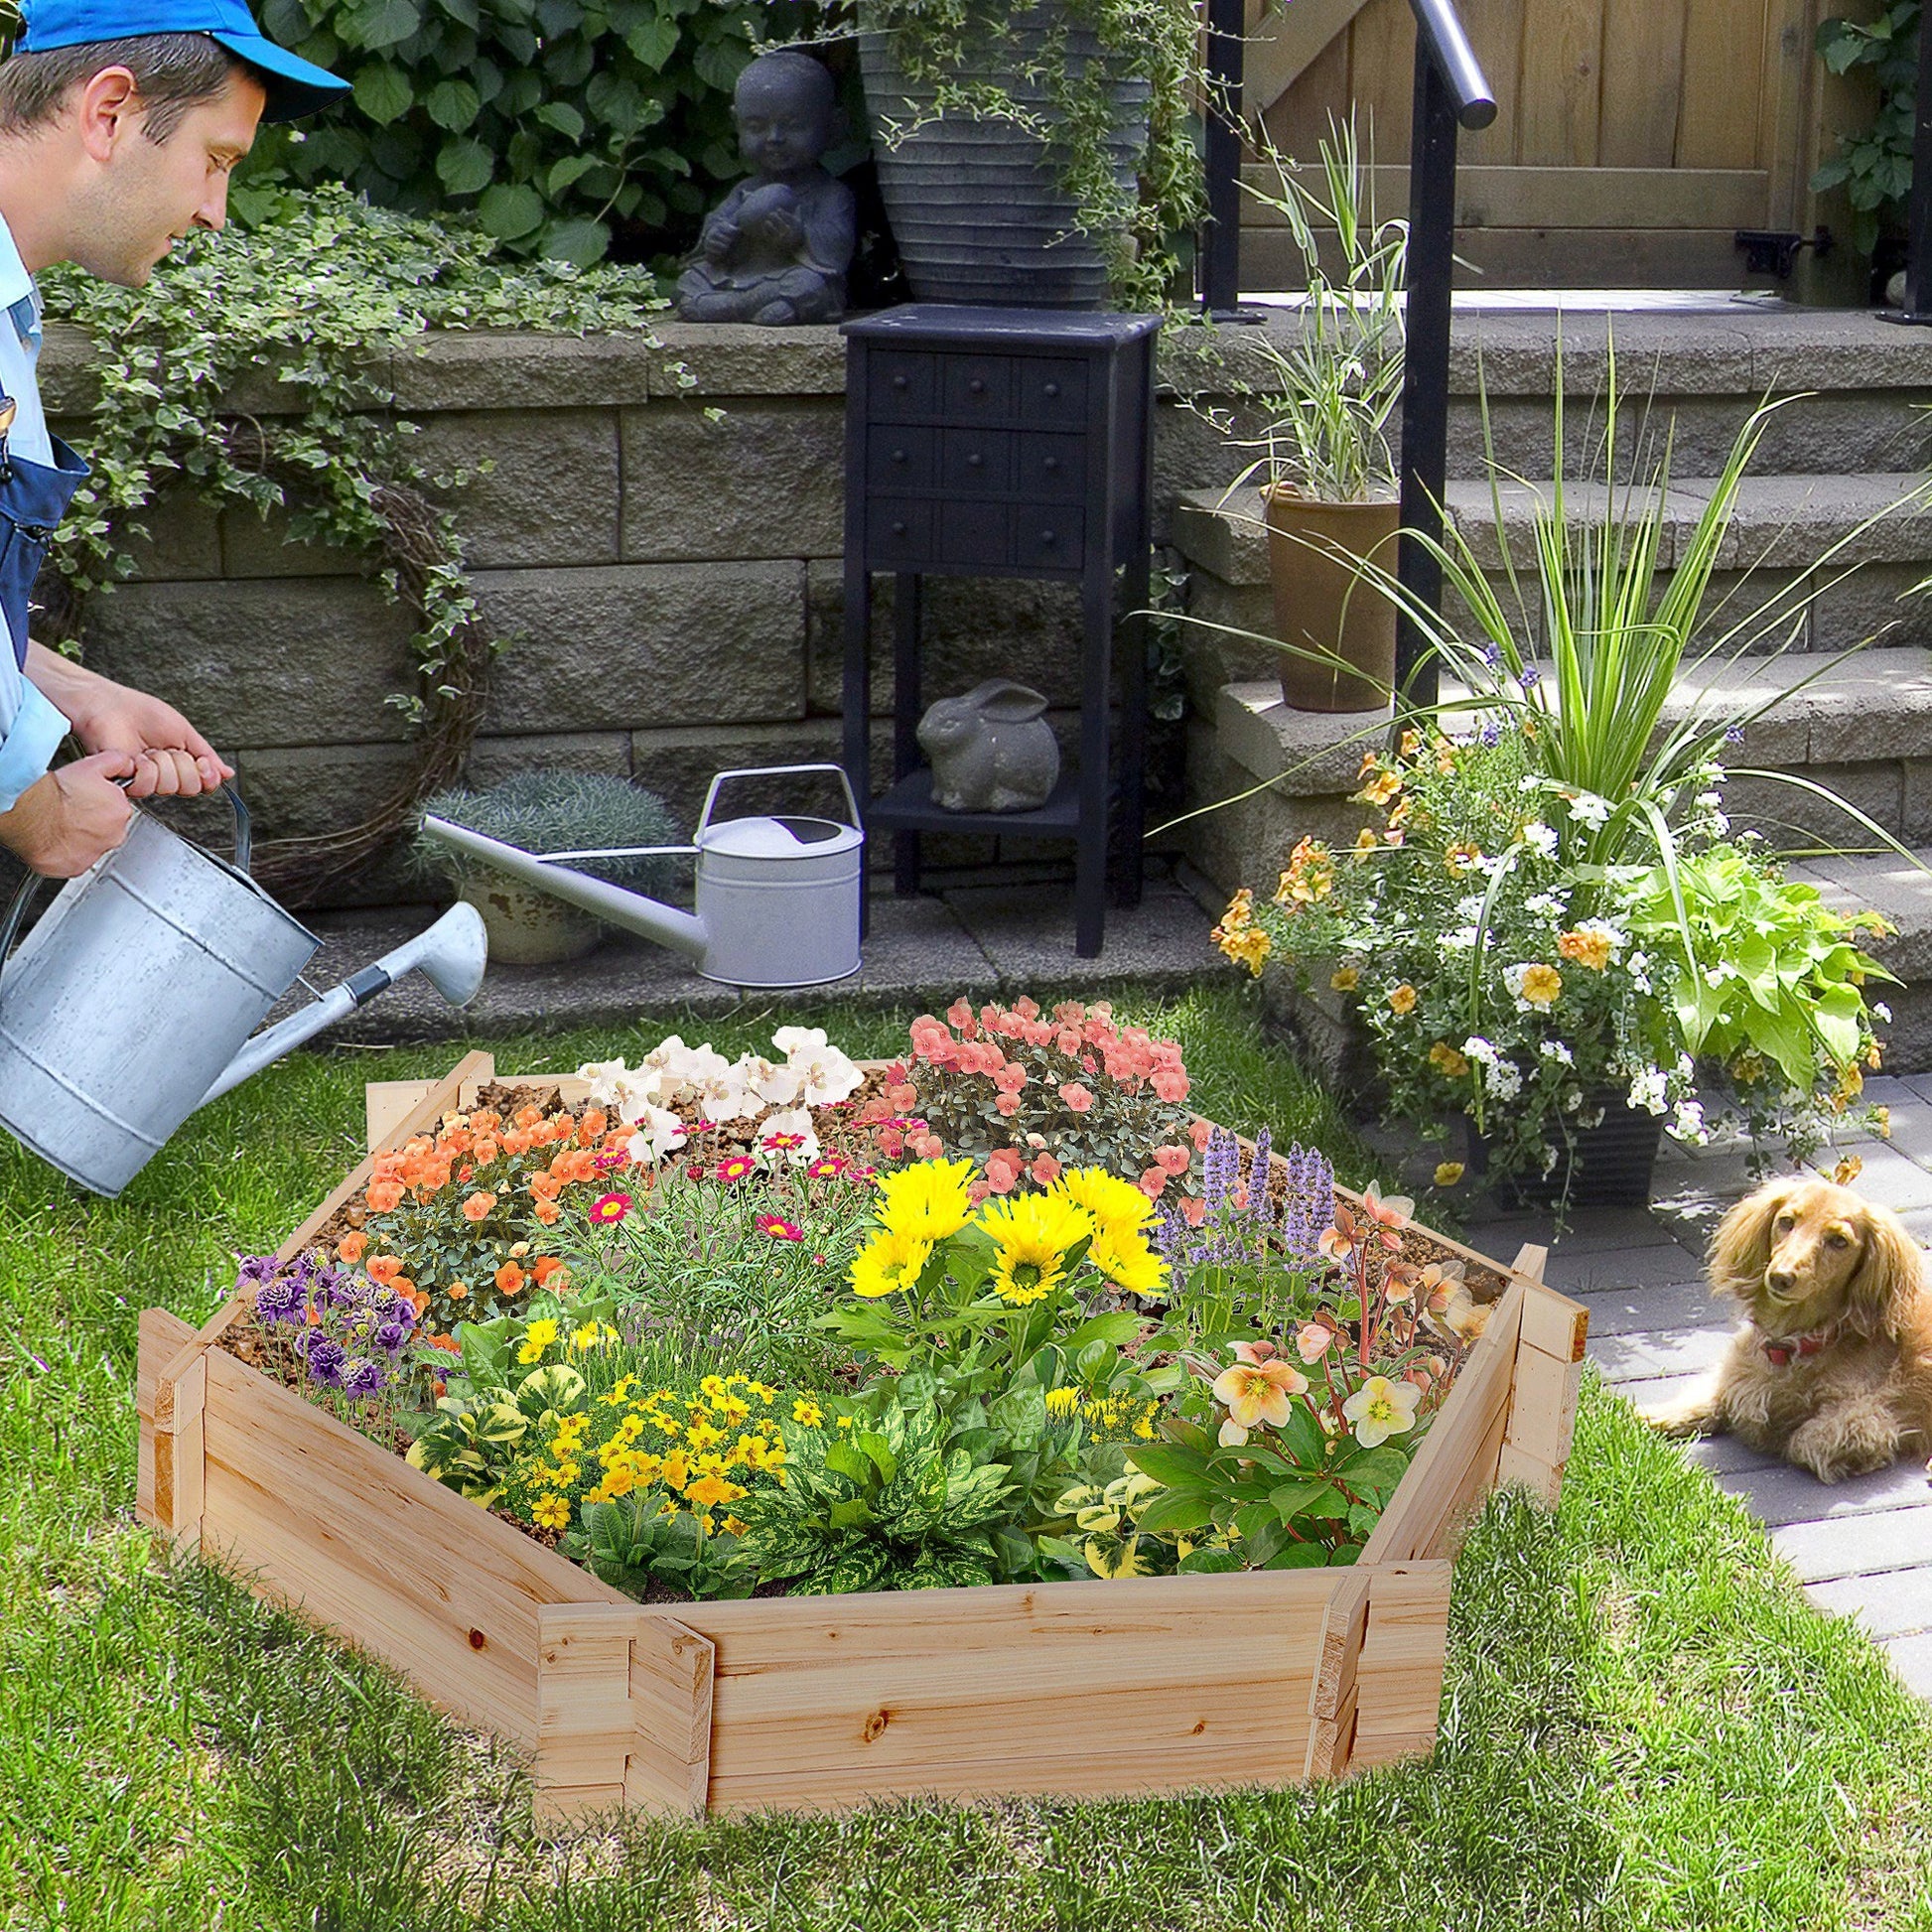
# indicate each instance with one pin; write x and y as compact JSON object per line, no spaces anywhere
{"x":545,"y":810}
{"x":1332,"y":388}
{"x":968,"y":51}
{"x":1873,"y":164}
{"x":633,"y":1545}
{"x":891,"y":1504}
{"x":555,"y":125}
{"x":319,"y":297}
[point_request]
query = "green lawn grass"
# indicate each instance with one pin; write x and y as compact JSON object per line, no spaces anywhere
{"x":1644,"y":1723}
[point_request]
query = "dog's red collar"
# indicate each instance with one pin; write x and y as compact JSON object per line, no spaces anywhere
{"x":1782,"y":1350}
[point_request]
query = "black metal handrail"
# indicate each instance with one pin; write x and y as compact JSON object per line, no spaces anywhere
{"x":1450,"y":94}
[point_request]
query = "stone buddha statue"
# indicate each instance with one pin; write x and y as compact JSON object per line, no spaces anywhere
{"x":776,"y":248}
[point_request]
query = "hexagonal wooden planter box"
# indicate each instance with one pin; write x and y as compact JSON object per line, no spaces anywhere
{"x":816,"y":1702}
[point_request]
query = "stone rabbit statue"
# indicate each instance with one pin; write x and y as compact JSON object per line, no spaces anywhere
{"x":991,"y":751}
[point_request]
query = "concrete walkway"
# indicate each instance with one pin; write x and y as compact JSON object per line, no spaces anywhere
{"x":1862,"y":1547}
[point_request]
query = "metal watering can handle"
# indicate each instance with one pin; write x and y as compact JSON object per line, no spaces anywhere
{"x":244,"y":840}
{"x":776,"y":772}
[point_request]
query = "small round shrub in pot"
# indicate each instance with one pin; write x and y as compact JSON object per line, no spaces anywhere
{"x":548,"y":811}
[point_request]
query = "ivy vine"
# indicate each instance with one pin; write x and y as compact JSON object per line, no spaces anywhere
{"x":321,"y":295}
{"x":1873,"y":164}
{"x":967,"y":52}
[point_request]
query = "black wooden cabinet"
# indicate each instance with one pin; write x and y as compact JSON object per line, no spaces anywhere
{"x":1002,"y":443}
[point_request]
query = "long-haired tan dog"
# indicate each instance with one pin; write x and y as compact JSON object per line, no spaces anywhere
{"x":1833,"y":1367}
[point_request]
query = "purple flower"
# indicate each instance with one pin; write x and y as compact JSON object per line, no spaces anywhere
{"x":325,"y":1357}
{"x":1311,"y":1206}
{"x":256,"y":1268}
{"x":391,"y":1338}
{"x":362,"y":1376}
{"x":280,"y":1299}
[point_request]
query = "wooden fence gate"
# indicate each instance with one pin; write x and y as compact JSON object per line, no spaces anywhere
{"x":1634,"y":137}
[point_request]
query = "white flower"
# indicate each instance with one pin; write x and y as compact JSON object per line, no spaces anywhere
{"x":1469,"y":907}
{"x":1462,"y":939}
{"x":776,"y":1086}
{"x":1688,"y":1123}
{"x":1480,"y":1050}
{"x":604,"y":1077}
{"x":1529,"y":783}
{"x":1587,"y":808}
{"x":824,"y":1073}
{"x":1538,"y":834}
{"x":1551,"y":905}
{"x":727,"y":1095}
{"x":658,"y":1132}
{"x":791,"y":1040}
{"x":1881,"y":1012}
{"x":1555,"y":1049}
{"x":1648,"y":1091}
{"x":794,"y":1121}
{"x":1500,"y":1076}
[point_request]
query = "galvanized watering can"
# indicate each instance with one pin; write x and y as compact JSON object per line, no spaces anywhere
{"x":779,"y":898}
{"x":132,"y":1002}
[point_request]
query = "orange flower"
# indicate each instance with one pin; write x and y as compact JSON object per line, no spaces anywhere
{"x":402,"y":1285}
{"x":578,"y":1165}
{"x":384,"y":1197}
{"x":594,"y":1123}
{"x":448,"y":1343}
{"x":487,"y":1122}
{"x":543,"y":1267}
{"x":517,"y":1141}
{"x":509,"y":1278}
{"x":547,"y":1212}
{"x":383,"y":1269}
{"x":352,"y":1247}
{"x":545,"y":1187}
{"x":479,"y":1207}
{"x":458,"y":1291}
{"x":528,"y":1116}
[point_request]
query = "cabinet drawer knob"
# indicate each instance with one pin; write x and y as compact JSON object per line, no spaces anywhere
{"x":1051,"y":463}
{"x":898,"y":383}
{"x":974,"y":461}
{"x":1052,"y":390}
{"x":978,"y":385}
{"x":899,"y":529}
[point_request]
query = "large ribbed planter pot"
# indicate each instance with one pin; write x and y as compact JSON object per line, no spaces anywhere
{"x":1610,"y":1164}
{"x":976,"y":207}
{"x":1322,"y":603}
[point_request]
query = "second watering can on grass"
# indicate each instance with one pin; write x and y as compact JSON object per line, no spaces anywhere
{"x":133,"y":1001}
{"x":779,"y":898}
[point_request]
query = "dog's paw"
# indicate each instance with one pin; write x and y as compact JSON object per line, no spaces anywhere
{"x":1682,"y":1420}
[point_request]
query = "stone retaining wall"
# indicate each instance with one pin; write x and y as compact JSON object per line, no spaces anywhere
{"x":659,"y":532}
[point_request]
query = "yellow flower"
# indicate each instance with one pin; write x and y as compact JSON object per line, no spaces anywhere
{"x":1116,"y":1206}
{"x":710,"y":1490}
{"x":537,"y":1338}
{"x":1462,"y":857}
{"x":1062,"y":1403}
{"x":889,"y":1261}
{"x":734,"y":1526}
{"x":805,"y":1410}
{"x":1032,"y":1235}
{"x":551,"y":1513}
{"x":1345,"y":979}
{"x":1448,"y":1173}
{"x":1380,"y":789}
{"x":1365,"y":841}
{"x":1127,"y":1262}
{"x":1403,"y":998}
{"x":1535,"y":984}
{"x":1380,"y":1409}
{"x":675,"y":1471}
{"x":584,"y":1337}
{"x":928,"y":1201}
{"x":1448,"y":1061}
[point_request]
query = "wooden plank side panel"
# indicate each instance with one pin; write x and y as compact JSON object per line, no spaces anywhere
{"x":1300,"y":118}
{"x":1643,"y":82}
{"x":1167,"y":1684}
{"x":1563,"y":48}
{"x":1495,"y":29}
{"x":584,"y":1714}
{"x":1331,"y":1698}
{"x":1382,"y":82}
{"x":1723,"y":78}
{"x":1399,"y":1677}
{"x":163,"y":1336}
{"x":1283,"y":43}
{"x":672,"y":1669}
{"x":180,"y":1462}
{"x":1451,"y":1453}
{"x":326,"y":1522}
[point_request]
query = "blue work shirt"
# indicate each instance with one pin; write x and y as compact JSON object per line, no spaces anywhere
{"x":30,"y":729}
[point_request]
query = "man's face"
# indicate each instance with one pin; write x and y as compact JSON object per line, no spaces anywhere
{"x":150,"y":194}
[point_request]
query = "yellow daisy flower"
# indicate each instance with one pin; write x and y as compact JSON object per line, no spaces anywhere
{"x":1032,"y":1235}
{"x":889,"y":1261}
{"x":928,"y":1202}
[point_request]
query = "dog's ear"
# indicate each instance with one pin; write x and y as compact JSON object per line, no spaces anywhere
{"x":1741,"y":1249}
{"x":1890,"y":1275}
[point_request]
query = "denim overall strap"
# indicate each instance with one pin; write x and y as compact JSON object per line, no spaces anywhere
{"x":33,"y":500}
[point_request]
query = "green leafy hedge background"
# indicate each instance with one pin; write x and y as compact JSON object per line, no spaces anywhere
{"x":564,"y":124}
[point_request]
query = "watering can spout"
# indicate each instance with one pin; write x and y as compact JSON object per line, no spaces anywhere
{"x":451,"y":955}
{"x":682,"y":932}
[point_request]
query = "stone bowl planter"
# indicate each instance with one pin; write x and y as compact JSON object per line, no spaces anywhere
{"x":820,"y":1702}
{"x":528,"y":927}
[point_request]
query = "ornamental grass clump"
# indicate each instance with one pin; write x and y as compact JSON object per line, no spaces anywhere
{"x":1025,"y":1096}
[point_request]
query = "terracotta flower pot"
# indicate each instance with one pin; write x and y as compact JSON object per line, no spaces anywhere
{"x":526,"y":927}
{"x":1322,"y":605}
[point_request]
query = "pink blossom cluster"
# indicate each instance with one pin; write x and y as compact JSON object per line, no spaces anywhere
{"x":1130,"y":1057}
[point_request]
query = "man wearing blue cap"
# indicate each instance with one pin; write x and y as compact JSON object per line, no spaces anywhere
{"x":119,"y":123}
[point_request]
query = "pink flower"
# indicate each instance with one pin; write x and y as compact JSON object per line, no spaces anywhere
{"x":960,"y":1016}
{"x":979,"y":1190}
{"x":1259,"y":1392}
{"x":1068,"y":1041}
{"x":611,"y":1208}
{"x":1175,"y":1160}
{"x":1194,"y":1209}
{"x":1008,"y":1105}
{"x":1076,"y":1096}
{"x":1153,"y":1183}
{"x":778,"y":1228}
{"x":928,"y":1147}
{"x":1253,"y":1352}
{"x":1313,"y":1340}
{"x":1170,"y":1084}
{"x":1046,"y":1170}
{"x":1004,"y":1167}
{"x":1027,"y":1009}
{"x":1011,"y":1077}
{"x":1201,"y":1133}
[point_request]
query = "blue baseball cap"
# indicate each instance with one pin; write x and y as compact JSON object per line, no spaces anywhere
{"x":295,"y":86}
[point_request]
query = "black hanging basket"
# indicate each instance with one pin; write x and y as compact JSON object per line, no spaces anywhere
{"x":1609,"y":1165}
